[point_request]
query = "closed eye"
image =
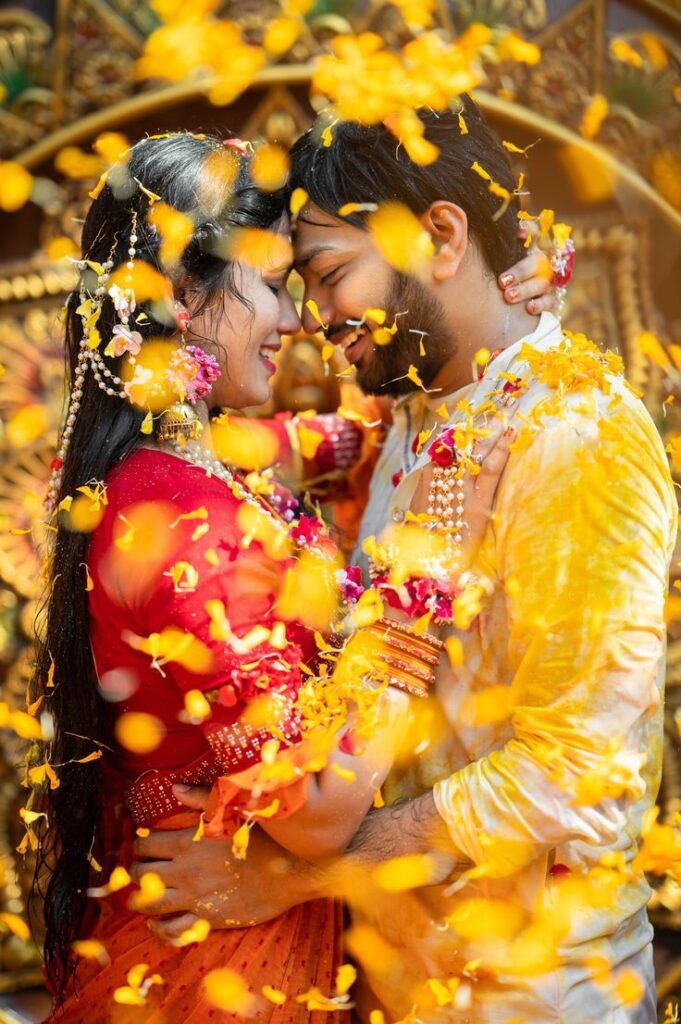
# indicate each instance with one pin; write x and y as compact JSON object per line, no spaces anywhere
{"x":329,"y":275}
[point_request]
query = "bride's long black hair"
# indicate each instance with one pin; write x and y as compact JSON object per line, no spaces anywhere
{"x":184,"y":171}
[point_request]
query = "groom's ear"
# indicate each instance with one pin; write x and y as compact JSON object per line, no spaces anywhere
{"x":447,"y":224}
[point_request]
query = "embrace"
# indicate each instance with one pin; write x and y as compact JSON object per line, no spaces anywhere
{"x":458,"y":842}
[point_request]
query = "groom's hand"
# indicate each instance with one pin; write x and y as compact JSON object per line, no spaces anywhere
{"x":203,"y":879}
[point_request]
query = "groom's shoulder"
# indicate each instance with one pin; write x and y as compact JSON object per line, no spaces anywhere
{"x":575,"y":380}
{"x":576,"y":394}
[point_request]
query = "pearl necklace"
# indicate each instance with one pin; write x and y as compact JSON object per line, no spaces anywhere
{"x":199,"y":456}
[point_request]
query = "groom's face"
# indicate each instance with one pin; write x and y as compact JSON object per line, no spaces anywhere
{"x":344,"y":274}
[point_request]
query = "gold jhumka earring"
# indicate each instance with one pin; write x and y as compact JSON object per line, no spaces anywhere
{"x":179,"y":420}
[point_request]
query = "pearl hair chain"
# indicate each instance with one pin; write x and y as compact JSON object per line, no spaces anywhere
{"x":89,"y":355}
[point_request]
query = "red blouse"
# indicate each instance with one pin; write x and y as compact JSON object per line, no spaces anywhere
{"x":170,"y":544}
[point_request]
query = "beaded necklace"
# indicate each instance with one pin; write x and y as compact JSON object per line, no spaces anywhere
{"x":304,"y":532}
{"x":197,"y":455}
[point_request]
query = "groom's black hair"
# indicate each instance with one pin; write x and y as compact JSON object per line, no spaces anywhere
{"x":366,"y":164}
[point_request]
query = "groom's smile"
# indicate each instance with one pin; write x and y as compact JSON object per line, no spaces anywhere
{"x":345,"y":276}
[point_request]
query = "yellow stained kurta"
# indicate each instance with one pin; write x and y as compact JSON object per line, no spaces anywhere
{"x":555,"y":718}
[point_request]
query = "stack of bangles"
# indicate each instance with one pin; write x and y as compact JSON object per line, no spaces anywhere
{"x":407,"y":660}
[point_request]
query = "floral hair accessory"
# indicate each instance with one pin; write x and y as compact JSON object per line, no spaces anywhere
{"x":192,"y":372}
{"x":207,"y":372}
{"x":123,"y":340}
{"x":238,"y":144}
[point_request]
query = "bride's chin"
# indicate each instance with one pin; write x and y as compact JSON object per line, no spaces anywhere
{"x":259,"y":396}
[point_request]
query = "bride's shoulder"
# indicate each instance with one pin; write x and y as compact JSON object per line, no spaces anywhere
{"x":149,"y":475}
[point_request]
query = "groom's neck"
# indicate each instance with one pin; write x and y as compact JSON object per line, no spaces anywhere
{"x":490,"y":323}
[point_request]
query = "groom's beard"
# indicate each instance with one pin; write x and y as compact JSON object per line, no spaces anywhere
{"x":387,"y":365}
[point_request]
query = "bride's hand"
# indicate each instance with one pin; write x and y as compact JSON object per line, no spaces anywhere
{"x":479,"y":490}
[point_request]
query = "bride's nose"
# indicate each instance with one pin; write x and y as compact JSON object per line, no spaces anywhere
{"x":289,"y":322}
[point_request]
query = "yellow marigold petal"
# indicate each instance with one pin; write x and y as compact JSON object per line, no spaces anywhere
{"x":96,"y":192}
{"x":400,"y":238}
{"x":127,"y":996}
{"x":623,"y":51}
{"x":90,"y":949}
{"x":346,"y":774}
{"x":176,"y":230}
{"x":655,"y":50}
{"x":629,"y":987}
{"x":270,"y":167}
{"x":310,"y":441}
{"x":73,"y":163}
{"x":139,"y":732}
{"x":240,"y":841}
{"x":197,"y":932}
{"x":227,"y":990}
{"x":27,"y":425}
{"x":298,"y":199}
{"x":274,"y":995}
{"x":16,"y":185}
{"x":16,"y":925}
{"x":346,"y":976}
{"x":402,"y":873}
{"x":151,"y":888}
{"x":61,"y":247}
{"x":25,"y":726}
{"x":280,"y":35}
{"x":594,"y":115}
{"x":111,"y":146}
{"x":148,"y":283}
{"x":649,"y":346}
{"x":196,"y":705}
{"x":513,"y":47}
{"x":267,"y":251}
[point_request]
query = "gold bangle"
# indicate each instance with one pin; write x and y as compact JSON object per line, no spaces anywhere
{"x":410,"y":668}
{"x":408,"y":686}
{"x":426,"y":639}
{"x":406,"y":643}
{"x":398,"y":642}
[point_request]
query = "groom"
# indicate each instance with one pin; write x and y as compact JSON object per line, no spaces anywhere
{"x":534,"y":801}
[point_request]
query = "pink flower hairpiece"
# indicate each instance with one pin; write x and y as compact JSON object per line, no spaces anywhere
{"x":192,"y":372}
{"x":242,"y":146}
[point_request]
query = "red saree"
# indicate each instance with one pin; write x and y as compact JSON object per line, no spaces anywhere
{"x":166,"y":555}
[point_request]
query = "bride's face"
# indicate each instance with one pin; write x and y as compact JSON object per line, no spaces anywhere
{"x":245,"y":340}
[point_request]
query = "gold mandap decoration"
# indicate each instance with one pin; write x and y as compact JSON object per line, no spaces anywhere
{"x":64,"y":82}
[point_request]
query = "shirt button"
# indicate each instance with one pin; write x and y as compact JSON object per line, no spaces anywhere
{"x":398,"y":515}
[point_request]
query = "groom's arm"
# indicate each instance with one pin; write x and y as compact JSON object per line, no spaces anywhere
{"x":584,"y":531}
{"x":204,"y":880}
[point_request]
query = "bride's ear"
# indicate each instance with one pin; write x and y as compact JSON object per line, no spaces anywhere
{"x":181,"y":315}
{"x":447,"y":224}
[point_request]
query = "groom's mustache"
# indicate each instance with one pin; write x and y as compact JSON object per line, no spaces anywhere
{"x":333,"y":329}
{"x":346,"y":325}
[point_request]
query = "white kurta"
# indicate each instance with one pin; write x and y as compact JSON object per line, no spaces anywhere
{"x":572,"y":640}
